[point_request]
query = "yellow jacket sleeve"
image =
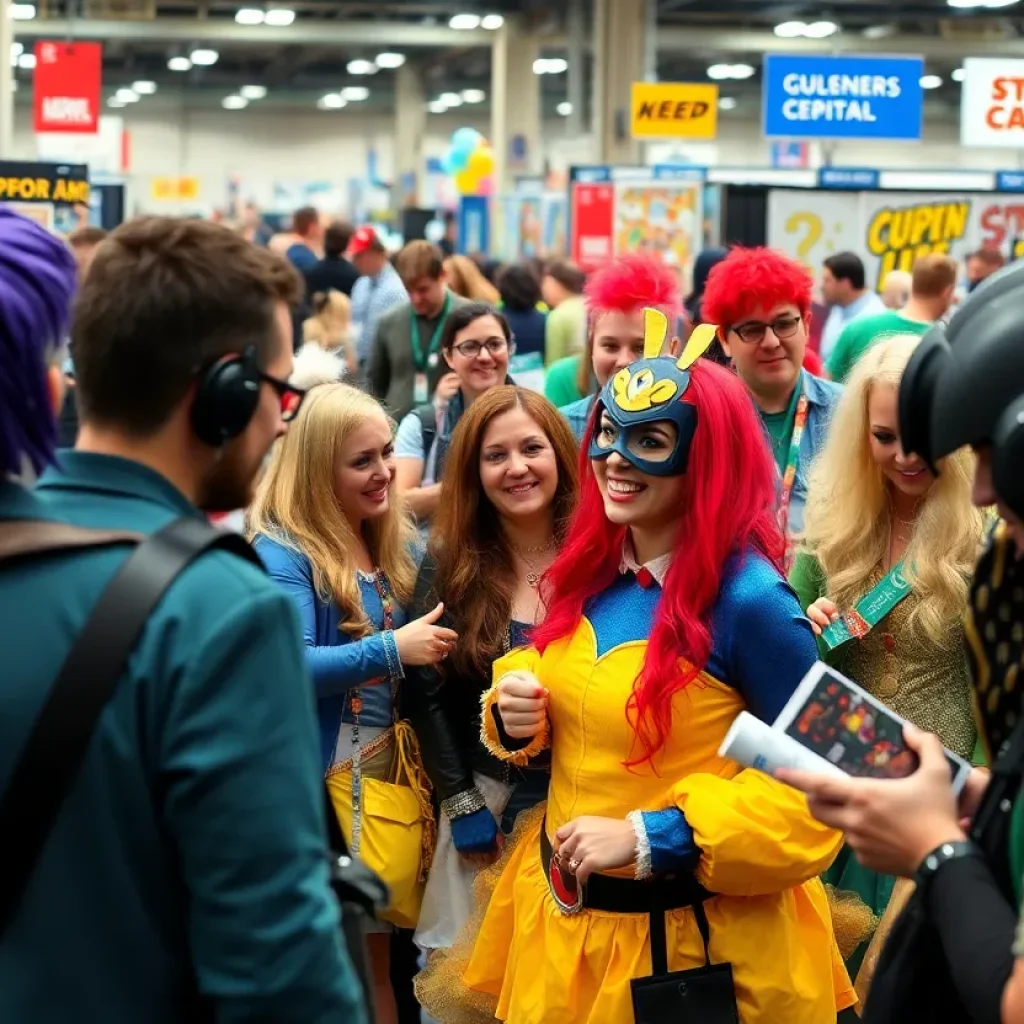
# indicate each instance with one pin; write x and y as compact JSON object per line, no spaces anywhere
{"x":523,"y":659}
{"x":756,"y":835}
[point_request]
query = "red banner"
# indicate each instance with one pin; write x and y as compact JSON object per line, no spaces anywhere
{"x":593,"y":210}
{"x":66,"y":87}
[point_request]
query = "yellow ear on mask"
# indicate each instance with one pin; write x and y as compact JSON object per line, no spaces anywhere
{"x":655,"y":332}
{"x":696,"y":345}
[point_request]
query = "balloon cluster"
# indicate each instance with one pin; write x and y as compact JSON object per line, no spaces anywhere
{"x":470,"y":161}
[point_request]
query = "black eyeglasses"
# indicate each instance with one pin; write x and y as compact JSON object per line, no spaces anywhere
{"x":783,"y":327}
{"x":291,"y":397}
{"x":471,"y":349}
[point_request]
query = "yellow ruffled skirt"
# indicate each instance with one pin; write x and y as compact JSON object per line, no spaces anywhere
{"x":522,"y":961}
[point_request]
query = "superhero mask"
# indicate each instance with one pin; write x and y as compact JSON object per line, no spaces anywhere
{"x":651,"y":390}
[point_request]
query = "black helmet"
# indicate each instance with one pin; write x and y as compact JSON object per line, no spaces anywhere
{"x":964,"y":384}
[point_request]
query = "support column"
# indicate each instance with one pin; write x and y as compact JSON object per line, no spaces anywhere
{"x":410,"y":127}
{"x":619,"y":59}
{"x":575,"y":77}
{"x":515,"y":106}
{"x":6,"y":82}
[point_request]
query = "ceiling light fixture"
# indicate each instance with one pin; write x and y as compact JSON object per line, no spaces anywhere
{"x":144,"y":88}
{"x":389,"y":61}
{"x":249,"y":16}
{"x":253,"y":92}
{"x":27,"y":61}
{"x":492,"y":22}
{"x":234,"y":102}
{"x":23,"y":12}
{"x":473,"y":95}
{"x":464,"y":22}
{"x":550,"y":66}
{"x":179,"y":64}
{"x":930,"y":81}
{"x":879,"y":31}
{"x":355,"y":93}
{"x":127,"y":96}
{"x":564,"y":108}
{"x":436,"y":107}
{"x":720,"y":72}
{"x":450,"y":99}
{"x":790,"y":29}
{"x":361,"y":67}
{"x":820,"y":29}
{"x":115,"y":102}
{"x":958,"y":75}
{"x":279,"y":17}
{"x":332,"y":101}
{"x":727,"y":103}
{"x":991,"y":4}
{"x":204,"y":58}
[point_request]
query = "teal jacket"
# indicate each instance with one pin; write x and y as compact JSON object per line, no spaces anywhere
{"x":190,"y":852}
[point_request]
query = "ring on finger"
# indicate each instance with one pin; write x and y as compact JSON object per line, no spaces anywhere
{"x":574,"y":865}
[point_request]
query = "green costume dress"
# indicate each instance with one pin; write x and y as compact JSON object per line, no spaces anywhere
{"x":927,"y":683}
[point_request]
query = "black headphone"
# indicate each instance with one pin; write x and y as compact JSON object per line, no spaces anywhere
{"x":1008,"y":456}
{"x":226,"y":398}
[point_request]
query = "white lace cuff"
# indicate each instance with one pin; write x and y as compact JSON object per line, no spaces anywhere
{"x":643,"y":844}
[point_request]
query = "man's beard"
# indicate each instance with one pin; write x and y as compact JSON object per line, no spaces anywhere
{"x":231,"y":483}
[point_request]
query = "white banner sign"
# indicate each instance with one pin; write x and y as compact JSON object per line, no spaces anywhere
{"x":891,"y":230}
{"x":992,"y":103}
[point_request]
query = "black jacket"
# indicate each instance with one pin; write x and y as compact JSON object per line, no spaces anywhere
{"x":445,"y":710}
{"x":333,"y":272}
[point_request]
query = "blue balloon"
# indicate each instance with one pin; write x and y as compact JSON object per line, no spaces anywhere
{"x":465,"y":140}
{"x":457,"y":160}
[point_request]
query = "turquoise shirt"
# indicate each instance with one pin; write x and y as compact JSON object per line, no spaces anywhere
{"x":191,"y":848}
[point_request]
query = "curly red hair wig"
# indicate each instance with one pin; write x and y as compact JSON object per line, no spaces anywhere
{"x":632,"y":282}
{"x":749,"y":279}
{"x":728,"y":509}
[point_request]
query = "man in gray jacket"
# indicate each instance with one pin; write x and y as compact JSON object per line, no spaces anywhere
{"x":406,"y":362}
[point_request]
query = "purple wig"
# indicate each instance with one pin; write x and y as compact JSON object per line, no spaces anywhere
{"x":37,"y":282}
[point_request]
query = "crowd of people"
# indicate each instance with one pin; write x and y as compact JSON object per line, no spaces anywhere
{"x":498,"y":633}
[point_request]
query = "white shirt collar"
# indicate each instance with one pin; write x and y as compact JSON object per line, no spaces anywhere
{"x":657,"y":567}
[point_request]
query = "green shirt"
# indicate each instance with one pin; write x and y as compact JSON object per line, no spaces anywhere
{"x":565,"y":333}
{"x":780,"y":426}
{"x":560,"y":386}
{"x":860,"y":334}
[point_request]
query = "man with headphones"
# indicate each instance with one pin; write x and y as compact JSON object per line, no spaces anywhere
{"x":185,"y":876}
{"x":950,"y":956}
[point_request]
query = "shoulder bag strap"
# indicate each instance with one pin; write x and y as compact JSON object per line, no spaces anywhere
{"x":57,"y":744}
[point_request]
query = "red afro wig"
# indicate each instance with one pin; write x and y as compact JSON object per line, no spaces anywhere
{"x":750,"y":279}
{"x":728,"y":509}
{"x":633,"y":282}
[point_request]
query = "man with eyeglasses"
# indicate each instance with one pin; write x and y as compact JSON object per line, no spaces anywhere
{"x":186,"y":875}
{"x":761,"y":301}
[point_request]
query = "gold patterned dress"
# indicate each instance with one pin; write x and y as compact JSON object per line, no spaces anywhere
{"x":924,"y":681}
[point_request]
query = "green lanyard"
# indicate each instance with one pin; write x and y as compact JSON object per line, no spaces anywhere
{"x":869,"y":611}
{"x":418,"y":355}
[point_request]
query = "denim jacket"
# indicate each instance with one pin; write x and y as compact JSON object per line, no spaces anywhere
{"x":822,"y":398}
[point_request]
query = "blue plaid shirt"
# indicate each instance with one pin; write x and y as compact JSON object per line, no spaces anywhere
{"x":372,"y":297}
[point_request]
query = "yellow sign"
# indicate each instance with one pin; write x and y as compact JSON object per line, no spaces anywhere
{"x":174,"y":189}
{"x":674,"y":110}
{"x":900,"y":236}
{"x":45,"y":190}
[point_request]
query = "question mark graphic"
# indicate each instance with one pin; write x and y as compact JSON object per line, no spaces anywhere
{"x":810,"y":221}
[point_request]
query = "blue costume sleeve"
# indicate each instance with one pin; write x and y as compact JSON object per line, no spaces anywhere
{"x":764,"y":644}
{"x":475,"y":833}
{"x":670,"y":840}
{"x":334,"y":668}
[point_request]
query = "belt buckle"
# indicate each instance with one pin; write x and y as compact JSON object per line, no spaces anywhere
{"x":565,"y":888}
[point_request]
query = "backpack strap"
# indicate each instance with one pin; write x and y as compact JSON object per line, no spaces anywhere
{"x":24,"y":539}
{"x":427,"y":416}
{"x":60,"y":737}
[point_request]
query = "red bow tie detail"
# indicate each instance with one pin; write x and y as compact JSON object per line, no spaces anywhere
{"x":645,"y":578}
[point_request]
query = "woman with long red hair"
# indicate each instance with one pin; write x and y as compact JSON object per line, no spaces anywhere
{"x":664,"y":882}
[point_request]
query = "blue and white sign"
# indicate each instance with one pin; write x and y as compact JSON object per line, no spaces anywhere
{"x":857,"y":178}
{"x":474,"y":224}
{"x":843,"y":97}
{"x":1010,"y":181}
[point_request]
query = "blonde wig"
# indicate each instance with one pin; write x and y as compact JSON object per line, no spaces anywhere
{"x":296,"y":504}
{"x":847,"y":515}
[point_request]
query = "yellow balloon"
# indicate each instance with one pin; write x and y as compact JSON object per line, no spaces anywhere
{"x":481,"y":161}
{"x":467,"y":181}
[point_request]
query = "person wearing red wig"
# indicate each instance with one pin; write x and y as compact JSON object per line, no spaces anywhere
{"x":761,"y":302}
{"x":616,"y":297}
{"x":660,"y":880}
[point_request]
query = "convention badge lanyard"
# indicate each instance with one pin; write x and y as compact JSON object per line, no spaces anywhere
{"x":869,"y":610}
{"x":422,"y":359}
{"x":789,"y":475}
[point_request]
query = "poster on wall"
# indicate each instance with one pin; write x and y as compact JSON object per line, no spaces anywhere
{"x":891,"y":230}
{"x":666,"y":218}
{"x":992,"y":103}
{"x":593,"y":223}
{"x":55,"y":195}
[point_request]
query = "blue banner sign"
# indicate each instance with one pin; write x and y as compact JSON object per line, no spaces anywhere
{"x":474,"y":224}
{"x":858,"y":178}
{"x":843,"y":97}
{"x":1010,"y":181}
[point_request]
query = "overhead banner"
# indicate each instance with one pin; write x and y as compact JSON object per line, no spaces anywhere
{"x":674,"y":110}
{"x":891,"y":230}
{"x":843,"y":97}
{"x":66,"y":87}
{"x":169,"y":190}
{"x":992,"y":103}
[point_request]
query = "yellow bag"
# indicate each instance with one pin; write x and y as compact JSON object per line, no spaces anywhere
{"x":395,"y":835}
